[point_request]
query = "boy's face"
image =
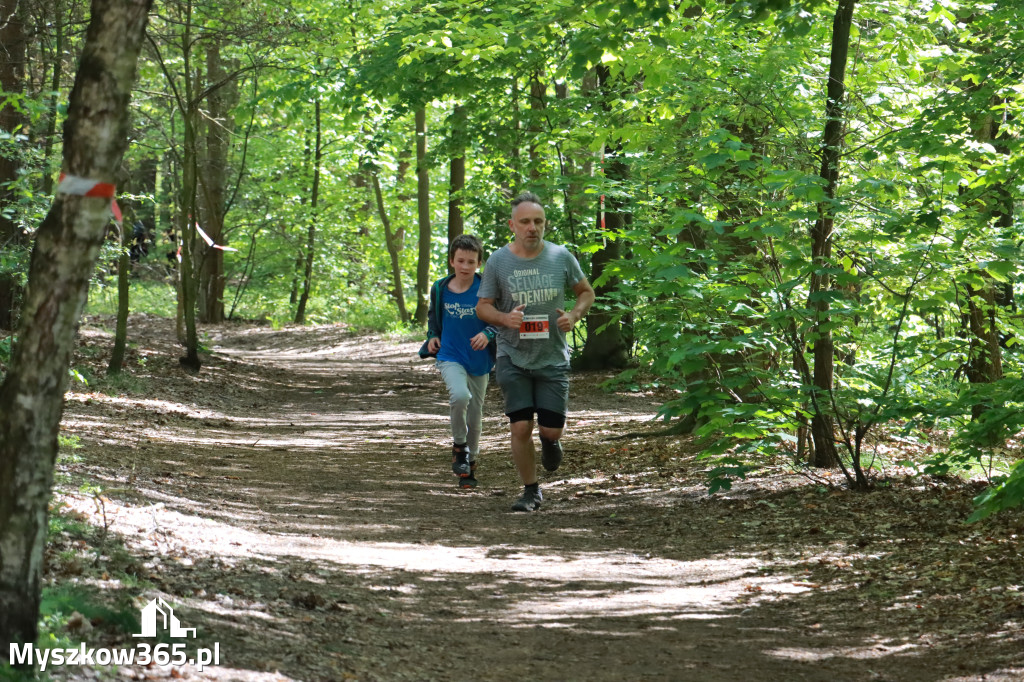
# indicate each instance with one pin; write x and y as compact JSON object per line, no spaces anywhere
{"x":465,"y":263}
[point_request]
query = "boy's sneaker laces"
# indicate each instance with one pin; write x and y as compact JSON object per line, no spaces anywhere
{"x":460,"y":460}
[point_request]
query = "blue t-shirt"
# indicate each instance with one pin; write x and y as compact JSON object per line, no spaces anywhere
{"x":458,"y":326}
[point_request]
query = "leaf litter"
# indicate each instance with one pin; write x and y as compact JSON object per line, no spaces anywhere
{"x":293,"y":502}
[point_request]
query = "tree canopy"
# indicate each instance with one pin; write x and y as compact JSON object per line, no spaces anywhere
{"x":783,"y":239}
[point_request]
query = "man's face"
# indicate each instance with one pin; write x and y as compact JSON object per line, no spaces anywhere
{"x":527,"y":225}
{"x":464,"y":263}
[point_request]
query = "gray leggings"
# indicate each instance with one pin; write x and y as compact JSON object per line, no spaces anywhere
{"x":466,"y":397}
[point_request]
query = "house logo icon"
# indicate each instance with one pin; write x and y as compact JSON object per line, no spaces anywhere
{"x":157,"y":609}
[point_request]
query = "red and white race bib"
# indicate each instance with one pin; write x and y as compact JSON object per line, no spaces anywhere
{"x":535,"y":327}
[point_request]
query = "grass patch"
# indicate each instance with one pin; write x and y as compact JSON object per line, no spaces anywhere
{"x":144,"y":296}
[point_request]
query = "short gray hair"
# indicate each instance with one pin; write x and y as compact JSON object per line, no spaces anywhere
{"x":527,"y":197}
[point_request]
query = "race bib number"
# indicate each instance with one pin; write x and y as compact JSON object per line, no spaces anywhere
{"x":535,"y":327}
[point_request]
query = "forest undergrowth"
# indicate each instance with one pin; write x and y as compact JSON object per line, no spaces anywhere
{"x":292,"y":501}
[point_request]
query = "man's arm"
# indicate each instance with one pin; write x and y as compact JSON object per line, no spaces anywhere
{"x":584,"y":298}
{"x":486,"y":311}
{"x":433,"y":326}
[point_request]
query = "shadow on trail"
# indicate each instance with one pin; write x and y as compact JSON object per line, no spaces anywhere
{"x":314,"y":529}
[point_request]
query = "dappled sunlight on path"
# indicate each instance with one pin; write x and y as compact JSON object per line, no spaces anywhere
{"x":297,"y":502}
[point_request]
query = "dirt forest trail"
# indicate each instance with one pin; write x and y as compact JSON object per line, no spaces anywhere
{"x":294,"y":501}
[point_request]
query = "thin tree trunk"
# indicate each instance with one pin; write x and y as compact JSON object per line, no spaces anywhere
{"x":457,"y":177}
{"x":393,"y":244}
{"x":12,"y":120}
{"x":124,"y":266}
{"x":49,"y":137}
{"x":314,"y":201}
{"x":187,"y":228}
{"x":423,"y":215}
{"x":187,"y":199}
{"x":538,"y":92}
{"x":67,"y":245}
{"x":517,"y":164}
{"x":822,"y":425}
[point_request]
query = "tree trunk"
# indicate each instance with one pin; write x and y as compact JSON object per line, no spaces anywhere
{"x":822,"y":426}
{"x":12,"y":121}
{"x":314,"y":201}
{"x":423,"y":214}
{"x":214,"y":180}
{"x":516,"y":166}
{"x":49,"y":137}
{"x":124,"y":265}
{"x":538,"y":92}
{"x":457,"y":177}
{"x":606,"y":345}
{"x":67,"y":245}
{"x":394,"y":247}
{"x":187,"y":202}
{"x":984,"y":356}
{"x":187,"y":228}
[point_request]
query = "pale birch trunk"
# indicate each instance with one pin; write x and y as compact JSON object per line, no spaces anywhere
{"x":66,"y":247}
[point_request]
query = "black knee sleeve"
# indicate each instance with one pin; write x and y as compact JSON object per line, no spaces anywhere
{"x":523,"y":415}
{"x":549,"y":419}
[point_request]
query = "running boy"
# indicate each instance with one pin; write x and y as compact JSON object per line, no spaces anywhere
{"x":464,"y":350}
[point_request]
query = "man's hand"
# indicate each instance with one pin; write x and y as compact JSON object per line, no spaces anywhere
{"x":566,"y":320}
{"x":434,"y":345}
{"x":479,"y":342}
{"x":514,"y":319}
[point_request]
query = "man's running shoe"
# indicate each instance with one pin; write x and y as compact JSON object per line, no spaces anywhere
{"x":550,"y":453}
{"x":460,"y":461}
{"x":530,"y":501}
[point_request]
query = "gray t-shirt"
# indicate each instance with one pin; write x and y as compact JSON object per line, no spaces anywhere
{"x":539,"y":282}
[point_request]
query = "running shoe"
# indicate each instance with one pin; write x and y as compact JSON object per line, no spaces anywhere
{"x":530,"y":501}
{"x":469,"y":481}
{"x":460,"y":461}
{"x":550,"y":454}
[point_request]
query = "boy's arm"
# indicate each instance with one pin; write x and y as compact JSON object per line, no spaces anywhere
{"x":433,"y":328}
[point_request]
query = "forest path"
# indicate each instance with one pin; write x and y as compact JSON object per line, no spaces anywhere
{"x":295,"y":502}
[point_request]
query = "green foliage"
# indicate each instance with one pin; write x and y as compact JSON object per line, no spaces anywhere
{"x":60,"y":602}
{"x":715,"y":109}
{"x":1007,"y":492}
{"x":68,"y":443}
{"x":147,"y":296}
{"x":6,"y":346}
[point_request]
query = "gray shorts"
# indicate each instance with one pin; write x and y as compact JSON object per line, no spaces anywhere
{"x":546,"y":388}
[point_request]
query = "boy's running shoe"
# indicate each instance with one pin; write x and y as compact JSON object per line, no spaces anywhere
{"x":469,"y":481}
{"x":528,"y":502}
{"x":460,"y":461}
{"x":550,"y":453}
